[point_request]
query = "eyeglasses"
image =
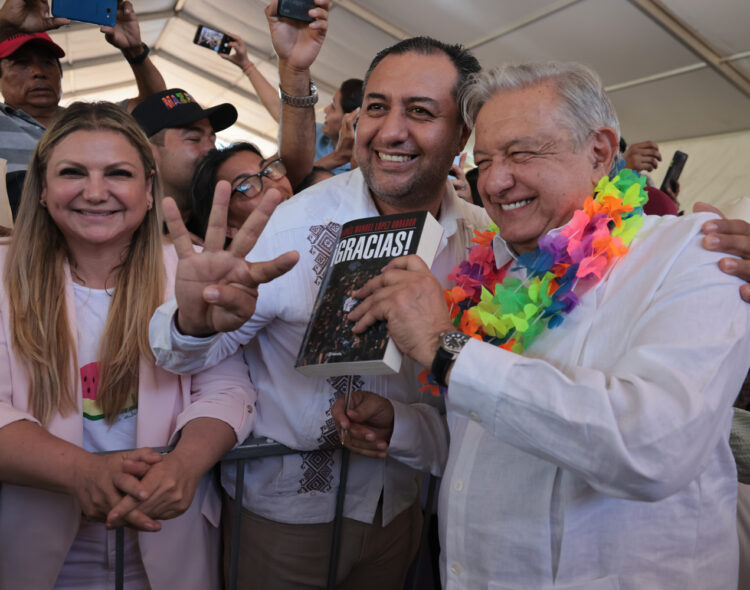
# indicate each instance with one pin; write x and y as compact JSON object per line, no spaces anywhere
{"x":253,"y":184}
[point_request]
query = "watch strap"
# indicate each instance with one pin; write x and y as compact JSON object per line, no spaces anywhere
{"x":451,"y":344}
{"x":141,"y":57}
{"x":441,"y":364}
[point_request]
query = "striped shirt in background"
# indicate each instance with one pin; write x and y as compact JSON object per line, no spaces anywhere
{"x":19,"y":134}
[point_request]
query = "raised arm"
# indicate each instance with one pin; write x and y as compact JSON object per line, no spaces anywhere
{"x":216,"y":289}
{"x":126,"y":36}
{"x":297,"y":45}
{"x":267,"y":94}
{"x":30,"y":16}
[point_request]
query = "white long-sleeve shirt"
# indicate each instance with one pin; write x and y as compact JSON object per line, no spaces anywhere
{"x":295,"y":410}
{"x":599,"y":459}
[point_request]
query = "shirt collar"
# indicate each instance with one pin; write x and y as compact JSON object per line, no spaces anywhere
{"x":19,"y":113}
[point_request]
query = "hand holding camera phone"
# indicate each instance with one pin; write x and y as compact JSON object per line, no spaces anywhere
{"x":212,"y":39}
{"x":99,"y":12}
{"x":674,"y":171}
{"x":296,"y":9}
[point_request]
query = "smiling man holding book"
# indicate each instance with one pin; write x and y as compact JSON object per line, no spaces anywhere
{"x":408,"y":133}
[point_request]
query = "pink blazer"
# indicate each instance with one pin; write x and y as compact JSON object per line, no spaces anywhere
{"x":37,"y":527}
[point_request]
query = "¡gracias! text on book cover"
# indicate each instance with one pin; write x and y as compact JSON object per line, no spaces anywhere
{"x":365,"y":246}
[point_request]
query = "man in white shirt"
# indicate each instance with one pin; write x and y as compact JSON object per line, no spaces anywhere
{"x":599,"y":457}
{"x":408,"y":133}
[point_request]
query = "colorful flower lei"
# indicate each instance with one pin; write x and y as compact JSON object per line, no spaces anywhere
{"x":511,"y":313}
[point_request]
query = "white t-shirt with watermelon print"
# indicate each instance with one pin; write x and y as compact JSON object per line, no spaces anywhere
{"x":92,"y":307}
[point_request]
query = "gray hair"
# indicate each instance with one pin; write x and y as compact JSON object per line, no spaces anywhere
{"x":585,"y":105}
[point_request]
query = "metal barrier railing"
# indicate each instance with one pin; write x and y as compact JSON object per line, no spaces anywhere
{"x":255,"y":448}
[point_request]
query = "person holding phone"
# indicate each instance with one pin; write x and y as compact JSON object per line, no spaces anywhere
{"x":334,"y":138}
{"x":31,"y":72}
{"x":268,"y":95}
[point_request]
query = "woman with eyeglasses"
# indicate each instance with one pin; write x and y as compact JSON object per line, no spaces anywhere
{"x":243,"y":166}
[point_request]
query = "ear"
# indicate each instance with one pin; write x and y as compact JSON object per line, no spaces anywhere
{"x":150,"y":189}
{"x":604,"y":145}
{"x":465,"y":134}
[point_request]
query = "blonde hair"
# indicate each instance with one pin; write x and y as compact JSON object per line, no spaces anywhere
{"x":35,"y":280}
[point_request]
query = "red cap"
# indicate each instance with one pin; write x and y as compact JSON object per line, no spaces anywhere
{"x":17,"y":40}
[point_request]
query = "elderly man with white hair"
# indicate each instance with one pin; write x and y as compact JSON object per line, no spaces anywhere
{"x":591,"y":356}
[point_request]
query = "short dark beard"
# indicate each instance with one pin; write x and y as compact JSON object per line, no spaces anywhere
{"x":420,"y":193}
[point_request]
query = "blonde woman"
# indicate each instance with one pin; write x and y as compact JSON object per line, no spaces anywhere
{"x":81,"y":276}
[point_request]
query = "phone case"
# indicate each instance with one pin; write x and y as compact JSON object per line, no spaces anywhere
{"x":296,"y":9}
{"x":674,"y":171}
{"x":100,"y":12}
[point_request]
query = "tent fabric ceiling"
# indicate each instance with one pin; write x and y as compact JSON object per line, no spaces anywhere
{"x":674,"y":68}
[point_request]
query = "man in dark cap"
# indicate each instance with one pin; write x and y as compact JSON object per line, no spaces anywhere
{"x":181,"y":132}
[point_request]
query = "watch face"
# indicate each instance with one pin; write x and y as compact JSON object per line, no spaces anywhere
{"x":454,"y":341}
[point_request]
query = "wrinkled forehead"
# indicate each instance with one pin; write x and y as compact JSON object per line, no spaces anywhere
{"x":521,"y":113}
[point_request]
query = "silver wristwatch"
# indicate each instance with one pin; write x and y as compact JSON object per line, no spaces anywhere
{"x":300,"y":101}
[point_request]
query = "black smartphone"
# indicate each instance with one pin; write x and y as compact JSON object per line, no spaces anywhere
{"x":212,"y":39}
{"x":296,"y":9}
{"x":674,"y":171}
{"x":99,"y":12}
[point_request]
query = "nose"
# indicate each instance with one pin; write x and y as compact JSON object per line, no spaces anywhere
{"x":95,"y":189}
{"x":393,"y":128}
{"x":208,"y":142}
{"x":496,"y":179}
{"x":36,"y":68}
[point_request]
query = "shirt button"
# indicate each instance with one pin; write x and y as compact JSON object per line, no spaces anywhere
{"x":249,"y":409}
{"x":458,"y":485}
{"x":474,"y":416}
{"x":457,"y":569}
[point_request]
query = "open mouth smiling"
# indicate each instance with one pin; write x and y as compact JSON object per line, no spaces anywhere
{"x":394,"y":157}
{"x":515,"y":204}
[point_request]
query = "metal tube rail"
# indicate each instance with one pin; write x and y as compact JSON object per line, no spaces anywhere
{"x":255,"y":448}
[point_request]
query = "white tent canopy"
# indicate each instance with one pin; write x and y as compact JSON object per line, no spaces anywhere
{"x":676,"y":69}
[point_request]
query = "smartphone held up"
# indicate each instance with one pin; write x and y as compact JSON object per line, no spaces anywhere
{"x":212,"y":39}
{"x":99,"y":12}
{"x":296,"y":9}
{"x":674,"y":171}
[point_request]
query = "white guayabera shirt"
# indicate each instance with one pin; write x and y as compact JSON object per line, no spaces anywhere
{"x":600,"y":459}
